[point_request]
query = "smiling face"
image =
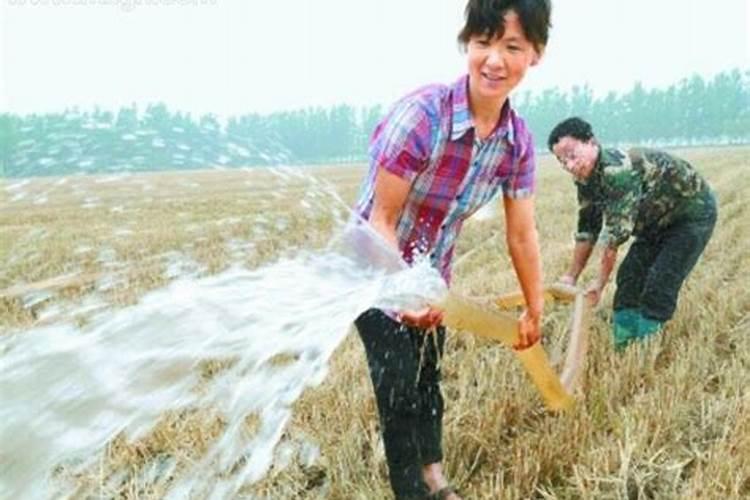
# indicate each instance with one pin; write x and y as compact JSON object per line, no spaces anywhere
{"x":576,"y":157}
{"x":497,"y":64}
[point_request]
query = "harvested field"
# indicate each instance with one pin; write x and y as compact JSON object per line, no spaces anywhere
{"x":670,"y":419}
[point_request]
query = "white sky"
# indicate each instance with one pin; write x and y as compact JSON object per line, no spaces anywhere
{"x":238,"y":56}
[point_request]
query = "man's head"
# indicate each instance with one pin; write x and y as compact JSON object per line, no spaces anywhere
{"x":572,"y":141}
{"x":503,"y":38}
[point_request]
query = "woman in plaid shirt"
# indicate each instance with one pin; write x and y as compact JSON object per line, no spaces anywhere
{"x":441,"y":153}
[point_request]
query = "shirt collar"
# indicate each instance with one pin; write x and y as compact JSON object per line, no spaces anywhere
{"x":612,"y":156}
{"x":461,"y":122}
{"x":602,"y":160}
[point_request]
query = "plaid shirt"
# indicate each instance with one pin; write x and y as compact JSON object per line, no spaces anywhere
{"x":428,"y":139}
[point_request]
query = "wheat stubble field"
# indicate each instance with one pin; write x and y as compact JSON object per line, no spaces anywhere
{"x":668,"y":420}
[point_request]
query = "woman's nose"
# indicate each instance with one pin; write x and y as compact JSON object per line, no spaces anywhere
{"x":496,"y":59}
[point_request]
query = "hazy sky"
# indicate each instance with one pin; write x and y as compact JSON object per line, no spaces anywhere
{"x":237,"y":56}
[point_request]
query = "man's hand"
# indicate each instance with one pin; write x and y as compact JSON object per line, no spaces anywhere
{"x":529,"y":330}
{"x":594,"y":293}
{"x":424,"y":318}
{"x":567,"y":279}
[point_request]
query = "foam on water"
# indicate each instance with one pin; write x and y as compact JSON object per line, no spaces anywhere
{"x":68,"y":391}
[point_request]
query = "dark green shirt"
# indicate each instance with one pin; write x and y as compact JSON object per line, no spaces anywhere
{"x":641,"y":191}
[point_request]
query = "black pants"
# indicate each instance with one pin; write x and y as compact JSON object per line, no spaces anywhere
{"x":652,"y":273}
{"x":405,"y":374}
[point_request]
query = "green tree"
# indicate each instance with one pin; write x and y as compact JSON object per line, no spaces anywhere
{"x":8,"y":139}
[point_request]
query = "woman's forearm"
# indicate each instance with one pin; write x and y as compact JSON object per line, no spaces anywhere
{"x":525,"y":255}
{"x":385,"y":226}
{"x":523,"y":246}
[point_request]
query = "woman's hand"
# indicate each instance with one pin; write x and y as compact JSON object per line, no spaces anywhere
{"x":523,"y":246}
{"x":424,"y":318}
{"x":529,"y":330}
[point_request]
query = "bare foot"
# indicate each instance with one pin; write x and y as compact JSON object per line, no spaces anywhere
{"x":433,"y":476}
{"x":452,"y":496}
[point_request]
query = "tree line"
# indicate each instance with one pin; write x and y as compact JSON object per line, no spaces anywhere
{"x":693,"y":111}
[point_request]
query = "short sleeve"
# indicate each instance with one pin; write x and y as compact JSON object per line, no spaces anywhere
{"x":401,"y":141}
{"x":522,"y":183}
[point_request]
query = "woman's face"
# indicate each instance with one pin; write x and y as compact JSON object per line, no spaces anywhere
{"x":576,"y":157}
{"x":498,"y":64}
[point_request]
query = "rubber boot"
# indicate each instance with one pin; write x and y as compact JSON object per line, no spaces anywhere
{"x":625,"y":327}
{"x":648,"y":327}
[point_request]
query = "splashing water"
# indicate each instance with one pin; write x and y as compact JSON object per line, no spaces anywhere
{"x":69,"y":391}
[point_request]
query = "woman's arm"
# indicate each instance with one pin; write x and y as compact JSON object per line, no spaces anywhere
{"x":391,"y":193}
{"x":523,"y":246}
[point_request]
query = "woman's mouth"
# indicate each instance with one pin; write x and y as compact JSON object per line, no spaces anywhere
{"x":493,"y":77}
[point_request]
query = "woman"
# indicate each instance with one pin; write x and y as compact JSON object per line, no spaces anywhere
{"x":440,"y":154}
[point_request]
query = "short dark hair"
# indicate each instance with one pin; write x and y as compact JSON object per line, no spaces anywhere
{"x":575,"y":127}
{"x":485,"y":17}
